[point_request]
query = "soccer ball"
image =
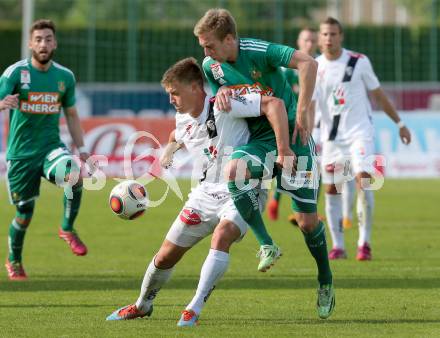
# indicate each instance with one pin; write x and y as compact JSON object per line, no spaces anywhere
{"x":129,"y":199}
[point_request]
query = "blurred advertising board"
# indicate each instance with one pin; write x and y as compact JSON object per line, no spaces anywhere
{"x":109,"y":136}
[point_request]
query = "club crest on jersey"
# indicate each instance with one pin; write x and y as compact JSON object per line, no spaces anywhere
{"x":217,"y":71}
{"x":61,"y":86}
{"x":255,"y":74}
{"x":338,"y":96}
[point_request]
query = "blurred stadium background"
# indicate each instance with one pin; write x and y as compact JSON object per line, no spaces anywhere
{"x":119,"y":49}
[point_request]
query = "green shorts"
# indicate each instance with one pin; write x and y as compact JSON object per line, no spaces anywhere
{"x":24,"y":175}
{"x":302,"y":188}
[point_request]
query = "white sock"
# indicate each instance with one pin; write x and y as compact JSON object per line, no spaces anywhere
{"x":348,"y":193}
{"x":333,"y":211}
{"x":365,"y":204}
{"x":215,"y":265}
{"x":154,"y":279}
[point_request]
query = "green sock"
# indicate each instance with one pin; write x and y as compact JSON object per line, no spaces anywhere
{"x":71,"y":208}
{"x":246,"y":202}
{"x":276,"y":195}
{"x":16,"y":239}
{"x":318,"y":248}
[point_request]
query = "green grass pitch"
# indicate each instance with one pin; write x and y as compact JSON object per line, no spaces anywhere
{"x":396,"y":294}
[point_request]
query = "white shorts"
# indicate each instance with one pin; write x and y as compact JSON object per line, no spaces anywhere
{"x":341,"y":162}
{"x":206,"y":206}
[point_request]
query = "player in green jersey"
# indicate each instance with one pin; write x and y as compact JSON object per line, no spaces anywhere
{"x":35,"y":91}
{"x":236,"y":65}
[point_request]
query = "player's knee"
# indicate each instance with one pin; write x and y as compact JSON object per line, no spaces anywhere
{"x":23,"y":222}
{"x":224,"y":235}
{"x":24,"y":214}
{"x":331,"y":189}
{"x":363,"y":181}
{"x":231,"y":170}
{"x":74,"y":179}
{"x":307,"y":222}
{"x":164,"y":260}
{"x":236,"y":169}
{"x":169,"y":254}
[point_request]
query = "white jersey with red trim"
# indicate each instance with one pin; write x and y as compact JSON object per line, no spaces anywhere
{"x":348,"y":100}
{"x":211,"y":137}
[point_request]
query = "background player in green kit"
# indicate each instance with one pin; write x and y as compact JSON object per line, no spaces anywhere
{"x":35,"y":90}
{"x":236,"y":65}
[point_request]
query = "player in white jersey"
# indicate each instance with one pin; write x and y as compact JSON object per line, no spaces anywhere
{"x":210,"y":136}
{"x":344,"y":80}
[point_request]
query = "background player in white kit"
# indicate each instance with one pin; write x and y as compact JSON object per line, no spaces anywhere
{"x":210,"y":136}
{"x":344,"y":80}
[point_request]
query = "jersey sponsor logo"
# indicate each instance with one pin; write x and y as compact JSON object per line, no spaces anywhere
{"x":217,"y":71}
{"x":255,"y":88}
{"x":190,"y":217}
{"x":41,"y":103}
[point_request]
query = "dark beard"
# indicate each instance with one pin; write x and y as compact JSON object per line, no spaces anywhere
{"x":44,"y":61}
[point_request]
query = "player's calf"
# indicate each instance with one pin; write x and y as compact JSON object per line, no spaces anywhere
{"x":17,"y":232}
{"x":169,"y":255}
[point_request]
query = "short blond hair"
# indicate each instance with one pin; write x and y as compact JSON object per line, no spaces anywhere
{"x":217,"y":20}
{"x":184,"y":71}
